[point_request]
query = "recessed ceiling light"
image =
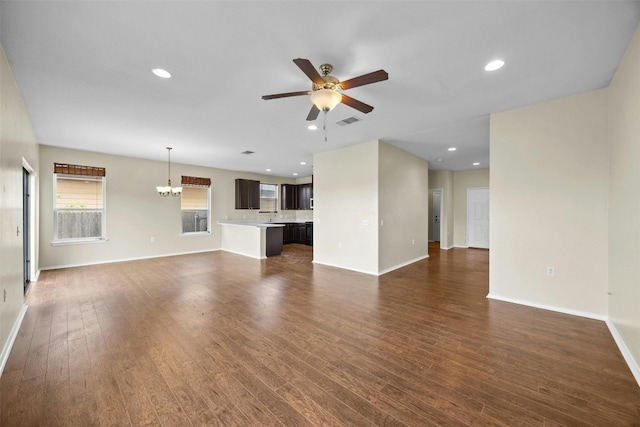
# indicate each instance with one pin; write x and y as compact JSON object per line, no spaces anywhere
{"x":438,"y":160}
{"x":452,"y":149}
{"x":303,"y":163}
{"x":476,"y":164}
{"x":494,"y":65}
{"x":268,"y":170}
{"x":295,"y":174}
{"x":312,"y":127}
{"x":161,"y":73}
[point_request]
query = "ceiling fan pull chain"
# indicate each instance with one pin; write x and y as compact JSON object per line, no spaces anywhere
{"x":324,"y":126}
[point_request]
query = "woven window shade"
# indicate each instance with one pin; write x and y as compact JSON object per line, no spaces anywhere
{"x":78,"y":170}
{"x":195,"y":181}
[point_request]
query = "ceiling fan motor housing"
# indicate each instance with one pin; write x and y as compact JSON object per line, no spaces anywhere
{"x":330,"y":82}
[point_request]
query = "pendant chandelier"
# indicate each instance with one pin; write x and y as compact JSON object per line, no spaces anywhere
{"x":168,"y":190}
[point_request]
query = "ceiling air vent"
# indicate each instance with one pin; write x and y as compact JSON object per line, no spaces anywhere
{"x":247,"y":152}
{"x":348,"y":121}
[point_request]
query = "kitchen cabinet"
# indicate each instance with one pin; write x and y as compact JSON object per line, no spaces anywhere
{"x":289,"y":196}
{"x":309,"y":227}
{"x":296,"y":196}
{"x":247,"y":194}
{"x":305,"y":194}
{"x":287,"y":234}
{"x":299,"y":233}
{"x":296,"y":232}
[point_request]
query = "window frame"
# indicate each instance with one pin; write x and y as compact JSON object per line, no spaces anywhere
{"x":197,"y":233}
{"x":103,"y":226}
{"x":276,"y":192}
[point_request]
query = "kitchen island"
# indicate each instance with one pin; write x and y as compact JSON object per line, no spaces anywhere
{"x":250,"y":238}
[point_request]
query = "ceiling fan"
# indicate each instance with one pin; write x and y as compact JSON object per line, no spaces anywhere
{"x":326,"y":90}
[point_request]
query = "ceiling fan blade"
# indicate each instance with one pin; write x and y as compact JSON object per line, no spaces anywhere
{"x":313,"y":113}
{"x":284,"y":95}
{"x":307,"y":67}
{"x":365,"y":79}
{"x":358,"y":105}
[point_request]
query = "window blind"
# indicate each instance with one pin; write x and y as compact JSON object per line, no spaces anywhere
{"x":195,"y":181}
{"x":68,"y":169}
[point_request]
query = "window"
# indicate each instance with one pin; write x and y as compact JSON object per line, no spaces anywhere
{"x":79,"y":206}
{"x":268,"y":197}
{"x":195,"y":205}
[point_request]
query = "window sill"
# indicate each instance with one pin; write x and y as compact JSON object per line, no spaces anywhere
{"x":195,"y":234}
{"x":77,"y":242}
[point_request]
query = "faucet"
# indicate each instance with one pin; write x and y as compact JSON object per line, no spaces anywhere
{"x":269,"y":212}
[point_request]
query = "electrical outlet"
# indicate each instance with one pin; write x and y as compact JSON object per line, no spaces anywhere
{"x":551,"y":271}
{"x":413,"y":241}
{"x":153,"y":239}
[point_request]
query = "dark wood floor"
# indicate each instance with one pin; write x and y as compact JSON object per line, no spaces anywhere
{"x":220,"y":339}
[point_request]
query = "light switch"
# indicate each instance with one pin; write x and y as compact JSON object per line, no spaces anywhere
{"x":364,"y":222}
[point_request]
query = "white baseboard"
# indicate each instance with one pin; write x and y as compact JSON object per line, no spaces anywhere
{"x":404,"y":264}
{"x":56,"y":267}
{"x":587,"y":314}
{"x":626,"y":353}
{"x":461,"y":246}
{"x":373,"y":273}
{"x":243,"y":254}
{"x":4,"y":356}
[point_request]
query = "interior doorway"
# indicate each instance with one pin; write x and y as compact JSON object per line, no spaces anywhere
{"x":435,"y":215}
{"x":28,"y":209}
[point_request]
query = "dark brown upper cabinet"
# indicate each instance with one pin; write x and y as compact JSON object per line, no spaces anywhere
{"x":247,"y":194}
{"x":296,"y":196}
{"x":289,"y":196}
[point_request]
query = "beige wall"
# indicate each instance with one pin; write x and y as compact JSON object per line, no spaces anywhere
{"x":549,"y":204}
{"x":17,"y":142}
{"x":345,"y":189}
{"x":443,"y":179}
{"x":463,"y":180}
{"x":402,"y":200}
{"x":624,"y":202}
{"x":370,"y":207}
{"x":136,"y":215}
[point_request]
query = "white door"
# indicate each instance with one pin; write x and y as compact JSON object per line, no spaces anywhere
{"x":437,"y":203}
{"x":478,"y":218}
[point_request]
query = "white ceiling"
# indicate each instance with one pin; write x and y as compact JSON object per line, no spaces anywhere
{"x":84,"y":70}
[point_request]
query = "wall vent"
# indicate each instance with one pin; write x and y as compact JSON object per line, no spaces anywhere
{"x":348,"y":121}
{"x":247,"y":152}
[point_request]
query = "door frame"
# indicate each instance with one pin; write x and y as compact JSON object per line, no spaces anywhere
{"x":441,"y":191}
{"x":29,"y":226}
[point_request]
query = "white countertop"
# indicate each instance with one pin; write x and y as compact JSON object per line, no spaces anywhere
{"x":248,"y":223}
{"x":280,"y":222}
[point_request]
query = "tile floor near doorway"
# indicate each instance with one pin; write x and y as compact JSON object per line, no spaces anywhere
{"x":220,"y":339}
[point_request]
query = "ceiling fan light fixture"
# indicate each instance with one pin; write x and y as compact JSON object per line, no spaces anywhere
{"x":325,"y":99}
